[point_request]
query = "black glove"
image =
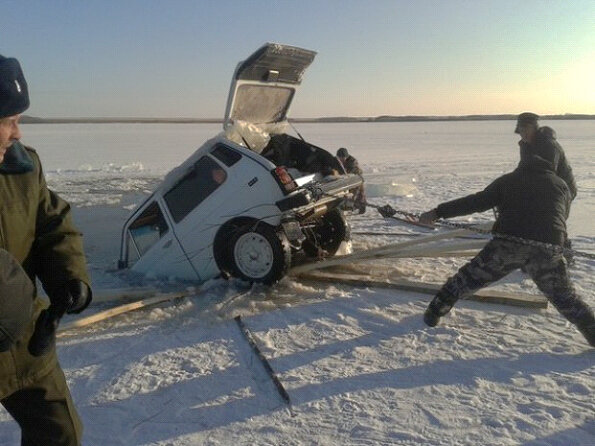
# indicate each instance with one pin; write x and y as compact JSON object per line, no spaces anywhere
{"x":428,"y":218}
{"x":387,"y":211}
{"x":44,"y":336}
{"x":73,"y":297}
{"x":76,"y":294}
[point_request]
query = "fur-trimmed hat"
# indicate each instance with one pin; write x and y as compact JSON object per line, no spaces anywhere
{"x":524,"y":119}
{"x":16,"y":300}
{"x":342,"y":153}
{"x":14,"y":94}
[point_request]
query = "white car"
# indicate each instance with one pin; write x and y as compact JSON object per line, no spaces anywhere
{"x":251,"y":198}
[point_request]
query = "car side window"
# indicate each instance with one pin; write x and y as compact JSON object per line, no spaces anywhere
{"x":204,"y":178}
{"x":146,"y":230}
{"x":226,"y":155}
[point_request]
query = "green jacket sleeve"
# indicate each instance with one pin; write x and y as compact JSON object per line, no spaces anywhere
{"x":58,"y":247}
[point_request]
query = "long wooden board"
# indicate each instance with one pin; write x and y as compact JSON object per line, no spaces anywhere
{"x":385,"y":251}
{"x":102,"y":315}
{"x":123,"y":294}
{"x":464,"y":248}
{"x":484,"y":295}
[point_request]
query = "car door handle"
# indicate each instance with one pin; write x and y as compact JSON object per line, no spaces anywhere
{"x":167,"y":244}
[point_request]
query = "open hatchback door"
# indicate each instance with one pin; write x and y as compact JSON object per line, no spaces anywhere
{"x":264,"y":85}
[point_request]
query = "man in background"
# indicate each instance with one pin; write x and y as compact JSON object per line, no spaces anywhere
{"x":541,"y":141}
{"x":350,"y":165}
{"x":36,"y":230}
{"x":348,"y":162}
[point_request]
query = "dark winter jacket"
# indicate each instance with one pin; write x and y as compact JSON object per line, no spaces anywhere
{"x":532,"y":202}
{"x":351,"y":165}
{"x":36,"y":228}
{"x":546,"y":146}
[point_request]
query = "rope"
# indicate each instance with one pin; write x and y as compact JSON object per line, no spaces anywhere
{"x":387,"y":211}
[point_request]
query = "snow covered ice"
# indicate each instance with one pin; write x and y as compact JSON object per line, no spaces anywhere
{"x":359,"y":365}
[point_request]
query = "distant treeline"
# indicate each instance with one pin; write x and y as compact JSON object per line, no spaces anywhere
{"x":389,"y":118}
{"x":331,"y":119}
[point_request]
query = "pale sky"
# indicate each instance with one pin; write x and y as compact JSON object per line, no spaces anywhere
{"x":175,"y":58}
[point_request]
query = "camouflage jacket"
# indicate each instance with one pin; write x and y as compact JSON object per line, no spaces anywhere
{"x":352,"y":166}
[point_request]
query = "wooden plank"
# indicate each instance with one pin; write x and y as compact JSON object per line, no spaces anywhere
{"x":121,"y":309}
{"x":484,"y":295}
{"x":110,"y":294}
{"x":104,"y":295}
{"x":266,"y":364}
{"x":458,"y":249}
{"x":380,"y":252}
{"x":472,"y":247}
{"x":114,"y":294}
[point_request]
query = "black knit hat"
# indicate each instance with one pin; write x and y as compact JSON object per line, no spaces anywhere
{"x":524,"y":119}
{"x":16,"y":300}
{"x":14,"y":95}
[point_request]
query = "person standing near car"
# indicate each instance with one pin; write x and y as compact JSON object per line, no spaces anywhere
{"x":541,"y":141}
{"x":532,"y":203}
{"x":350,"y":165}
{"x":36,"y":230}
{"x":348,"y":162}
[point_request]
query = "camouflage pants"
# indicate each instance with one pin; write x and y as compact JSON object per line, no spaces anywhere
{"x":499,"y":258}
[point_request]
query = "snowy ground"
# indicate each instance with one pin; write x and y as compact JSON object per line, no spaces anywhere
{"x":359,"y":365}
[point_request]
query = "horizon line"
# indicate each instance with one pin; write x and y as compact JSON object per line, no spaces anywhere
{"x":26,"y":119}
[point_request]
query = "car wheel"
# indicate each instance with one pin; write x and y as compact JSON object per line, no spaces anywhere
{"x":328,"y":234}
{"x":258,"y":253}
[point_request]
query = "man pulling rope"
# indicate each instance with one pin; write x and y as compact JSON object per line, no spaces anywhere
{"x":533,"y":204}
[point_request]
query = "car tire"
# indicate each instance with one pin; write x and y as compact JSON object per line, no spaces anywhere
{"x":330,"y":231}
{"x":259,"y":253}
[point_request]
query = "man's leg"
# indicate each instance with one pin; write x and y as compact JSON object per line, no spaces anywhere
{"x":497,"y":259}
{"x":568,"y":255}
{"x":45,"y":412}
{"x":360,"y":200}
{"x":551,"y":276}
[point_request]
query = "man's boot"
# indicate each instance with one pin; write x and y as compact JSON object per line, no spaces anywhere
{"x":588,"y":331}
{"x":431,"y":318}
{"x":440,"y":305}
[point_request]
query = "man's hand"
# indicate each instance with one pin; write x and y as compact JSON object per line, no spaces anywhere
{"x":77,"y":295}
{"x":44,"y":336}
{"x":73,"y":297}
{"x":386,"y":211}
{"x":429,"y":217}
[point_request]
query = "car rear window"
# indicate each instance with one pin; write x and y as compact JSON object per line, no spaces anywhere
{"x":205,"y":177}
{"x":261,"y":103}
{"x":226,"y":155}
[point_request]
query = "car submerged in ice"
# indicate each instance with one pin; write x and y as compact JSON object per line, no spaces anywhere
{"x":250,"y":199}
